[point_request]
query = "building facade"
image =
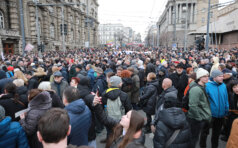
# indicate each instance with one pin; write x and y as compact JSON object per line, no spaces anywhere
{"x":80,"y":22}
{"x":196,"y":17}
{"x":116,"y":34}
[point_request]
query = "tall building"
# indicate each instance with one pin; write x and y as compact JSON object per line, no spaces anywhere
{"x":196,"y":17}
{"x":115,"y":34}
{"x":80,"y":25}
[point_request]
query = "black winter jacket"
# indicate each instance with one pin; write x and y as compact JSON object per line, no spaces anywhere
{"x":100,"y":85}
{"x":180,"y":82}
{"x":112,"y":95}
{"x":11,"y":106}
{"x":33,"y":83}
{"x":150,"y":97}
{"x":56,"y":101}
{"x":171,"y":119}
{"x":37,"y":107}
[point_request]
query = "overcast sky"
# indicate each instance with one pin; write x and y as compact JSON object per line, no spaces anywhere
{"x":138,"y":14}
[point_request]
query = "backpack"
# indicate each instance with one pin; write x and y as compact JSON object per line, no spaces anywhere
{"x":185,"y":99}
{"x":115,"y":109}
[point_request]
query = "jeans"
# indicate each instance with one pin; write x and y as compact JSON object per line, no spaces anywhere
{"x":196,"y":127}
{"x":216,"y":126}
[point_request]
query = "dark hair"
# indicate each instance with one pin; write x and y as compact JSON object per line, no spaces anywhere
{"x":231,"y":85}
{"x":110,"y":74}
{"x":71,"y":94}
{"x":10,"y":88}
{"x":136,"y":124}
{"x":32,"y":93}
{"x":54,"y":125}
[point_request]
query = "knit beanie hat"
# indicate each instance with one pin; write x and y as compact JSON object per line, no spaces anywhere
{"x":216,"y":73}
{"x":201,"y":72}
{"x":115,"y":81}
{"x":2,"y":113}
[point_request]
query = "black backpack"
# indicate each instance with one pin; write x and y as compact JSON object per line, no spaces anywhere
{"x":185,"y":99}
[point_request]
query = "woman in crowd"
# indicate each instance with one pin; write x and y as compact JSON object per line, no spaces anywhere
{"x":128,"y":131}
{"x":126,"y":82}
{"x":149,"y":98}
{"x":56,"y":101}
{"x":12,"y":101}
{"x":39,"y":102}
{"x":74,"y":82}
{"x":19,"y":75}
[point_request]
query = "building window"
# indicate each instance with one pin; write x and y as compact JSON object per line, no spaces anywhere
{"x":1,"y":20}
{"x":52,"y":30}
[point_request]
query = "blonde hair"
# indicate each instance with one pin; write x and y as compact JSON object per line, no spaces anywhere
{"x":19,"y":75}
{"x":152,"y":76}
{"x":45,"y":85}
{"x":18,"y":82}
{"x":54,"y":69}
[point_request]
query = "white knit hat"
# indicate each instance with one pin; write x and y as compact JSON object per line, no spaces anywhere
{"x":201,"y":72}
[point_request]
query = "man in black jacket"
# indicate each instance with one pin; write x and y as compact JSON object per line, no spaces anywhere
{"x":100,"y":82}
{"x":32,"y":80}
{"x":180,"y":80}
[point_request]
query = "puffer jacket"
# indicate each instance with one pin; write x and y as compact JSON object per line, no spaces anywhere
{"x":113,"y":93}
{"x":135,"y":92}
{"x":80,"y":121}
{"x":171,"y":119}
{"x":11,"y":106}
{"x":180,"y":82}
{"x":218,"y":98}
{"x":150,"y":97}
{"x":100,"y":84}
{"x":37,"y":107}
{"x":12,"y":135}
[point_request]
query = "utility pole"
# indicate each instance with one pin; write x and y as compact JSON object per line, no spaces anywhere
{"x":37,"y":28}
{"x":174,"y":12}
{"x":208,"y":23}
{"x":22,"y":27}
{"x":88,"y":24}
{"x":186,"y":27}
{"x":63,"y":31}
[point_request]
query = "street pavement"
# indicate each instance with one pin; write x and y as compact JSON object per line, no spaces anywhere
{"x":149,"y":139}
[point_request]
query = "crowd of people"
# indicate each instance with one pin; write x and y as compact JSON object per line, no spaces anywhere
{"x":64,"y":100}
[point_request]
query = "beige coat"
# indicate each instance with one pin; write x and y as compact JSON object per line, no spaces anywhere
{"x":233,"y":139}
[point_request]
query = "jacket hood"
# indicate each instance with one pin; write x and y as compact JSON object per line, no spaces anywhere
{"x":22,"y":90}
{"x":113,"y":93}
{"x":42,"y":101}
{"x":4,"y":125}
{"x":215,"y":60}
{"x":76,"y":107}
{"x":154,"y":83}
{"x":172,"y":89}
{"x":173,"y":117}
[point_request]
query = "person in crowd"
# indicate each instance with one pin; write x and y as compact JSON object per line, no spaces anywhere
{"x":161,"y":76}
{"x":215,"y":65}
{"x":56,"y":101}
{"x":59,"y":85}
{"x":32,"y":80}
{"x":169,"y":92}
{"x":119,"y":70}
{"x":164,"y":68}
{"x":199,"y":112}
{"x":80,"y":71}
{"x":40,"y":74}
{"x":172,"y":122}
{"x":90,"y":74}
{"x":80,"y":117}
{"x":100,"y":81}
{"x":63,"y":70}
{"x":150,"y":67}
{"x":54,"y":69}
{"x":128,"y":131}
{"x":135,"y":92}
{"x":180,"y":80}
{"x":141,"y":74}
{"x":21,"y":90}
{"x":12,"y":102}
{"x":9,"y":71}
{"x":39,"y":102}
{"x":53,"y":129}
{"x":233,"y":100}
{"x":149,"y":98}
{"x":218,"y":98}
{"x":191,"y":78}
{"x":11,"y":134}
{"x":127,"y":82}
{"x":74,"y":82}
{"x":19,"y":75}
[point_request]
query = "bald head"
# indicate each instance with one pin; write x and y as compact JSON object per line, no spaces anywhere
{"x":167,"y":83}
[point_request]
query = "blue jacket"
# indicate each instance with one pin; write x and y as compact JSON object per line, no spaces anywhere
{"x":218,"y":98}
{"x":12,"y":134}
{"x":91,"y":76}
{"x":80,"y":121}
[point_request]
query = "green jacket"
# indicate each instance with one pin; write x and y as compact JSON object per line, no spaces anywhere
{"x":199,"y":107}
